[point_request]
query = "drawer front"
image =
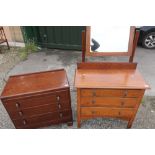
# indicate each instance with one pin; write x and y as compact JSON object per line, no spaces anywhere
{"x":111,"y":92}
{"x":23,"y":113}
{"x":38,"y":100}
{"x":46,"y":123}
{"x":30,"y":121}
{"x":107,"y":112}
{"x":109,"y":101}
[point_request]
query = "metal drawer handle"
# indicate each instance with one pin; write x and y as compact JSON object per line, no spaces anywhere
{"x":125,"y":93}
{"x":61,"y":115}
{"x":94,"y":93}
{"x":93,"y":101}
{"x":93,"y":112}
{"x":20,"y":113}
{"x":122,"y":103}
{"x":24,"y":122}
{"x":119,"y":113}
{"x":59,"y":106}
{"x":17,"y":105}
{"x":58,"y":98}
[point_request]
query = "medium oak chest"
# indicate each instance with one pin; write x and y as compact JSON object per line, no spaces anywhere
{"x":38,"y":99}
{"x":108,"y":90}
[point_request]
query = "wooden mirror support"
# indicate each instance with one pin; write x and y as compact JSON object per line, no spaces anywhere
{"x":133,"y":39}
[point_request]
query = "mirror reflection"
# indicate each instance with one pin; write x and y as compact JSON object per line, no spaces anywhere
{"x":109,"y":39}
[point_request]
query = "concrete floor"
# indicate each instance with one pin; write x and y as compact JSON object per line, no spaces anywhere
{"x":55,"y":59}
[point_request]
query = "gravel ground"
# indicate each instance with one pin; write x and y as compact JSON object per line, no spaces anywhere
{"x":53,"y":59}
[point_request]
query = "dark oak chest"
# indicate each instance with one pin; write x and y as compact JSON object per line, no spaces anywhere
{"x":38,"y":99}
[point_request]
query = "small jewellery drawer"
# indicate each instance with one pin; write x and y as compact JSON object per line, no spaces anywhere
{"x":22,"y":123}
{"x":111,"y":92}
{"x":109,"y":101}
{"x":22,"y":113}
{"x":107,"y":112}
{"x":37,"y":100}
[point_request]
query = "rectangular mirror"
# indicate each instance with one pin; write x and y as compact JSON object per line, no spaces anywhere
{"x":110,"y":41}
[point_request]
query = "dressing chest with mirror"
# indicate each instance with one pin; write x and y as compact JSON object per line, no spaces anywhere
{"x":109,"y":89}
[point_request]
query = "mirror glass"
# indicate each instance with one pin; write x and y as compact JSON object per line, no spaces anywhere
{"x":109,"y":39}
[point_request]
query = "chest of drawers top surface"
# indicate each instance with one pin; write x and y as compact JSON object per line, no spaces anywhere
{"x":109,"y":78}
{"x":35,"y":82}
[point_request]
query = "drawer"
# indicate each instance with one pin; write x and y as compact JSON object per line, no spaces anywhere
{"x":111,"y":92}
{"x":46,"y":123}
{"x":23,"y":103}
{"x":107,"y":112}
{"x":109,"y":101}
{"x":30,"y":121}
{"x":23,"y":113}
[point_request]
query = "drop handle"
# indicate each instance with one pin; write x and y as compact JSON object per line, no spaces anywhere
{"x":60,"y":115}
{"x":119,"y":113}
{"x":125,"y":93}
{"x":94,"y":93}
{"x":24,"y":122}
{"x":58,"y":98}
{"x":20,"y":113}
{"x":59,"y":106}
{"x":17,"y":105}
{"x":122,"y":103}
{"x":93,"y":101}
{"x":93,"y":112}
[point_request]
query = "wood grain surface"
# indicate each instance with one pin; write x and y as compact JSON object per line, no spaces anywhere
{"x":113,"y":78}
{"x":35,"y":82}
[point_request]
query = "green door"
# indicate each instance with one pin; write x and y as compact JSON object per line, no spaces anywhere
{"x":58,"y":37}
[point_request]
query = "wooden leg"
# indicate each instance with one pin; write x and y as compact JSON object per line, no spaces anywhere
{"x":8,"y":45}
{"x":70,"y":123}
{"x":78,"y":120}
{"x":79,"y":124}
{"x":130,"y":123}
{"x":78,"y":109}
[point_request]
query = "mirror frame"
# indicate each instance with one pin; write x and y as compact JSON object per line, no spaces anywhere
{"x":127,"y":53}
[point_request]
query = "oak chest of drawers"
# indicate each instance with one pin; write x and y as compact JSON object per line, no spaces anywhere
{"x":108,"y":90}
{"x":38,"y":99}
